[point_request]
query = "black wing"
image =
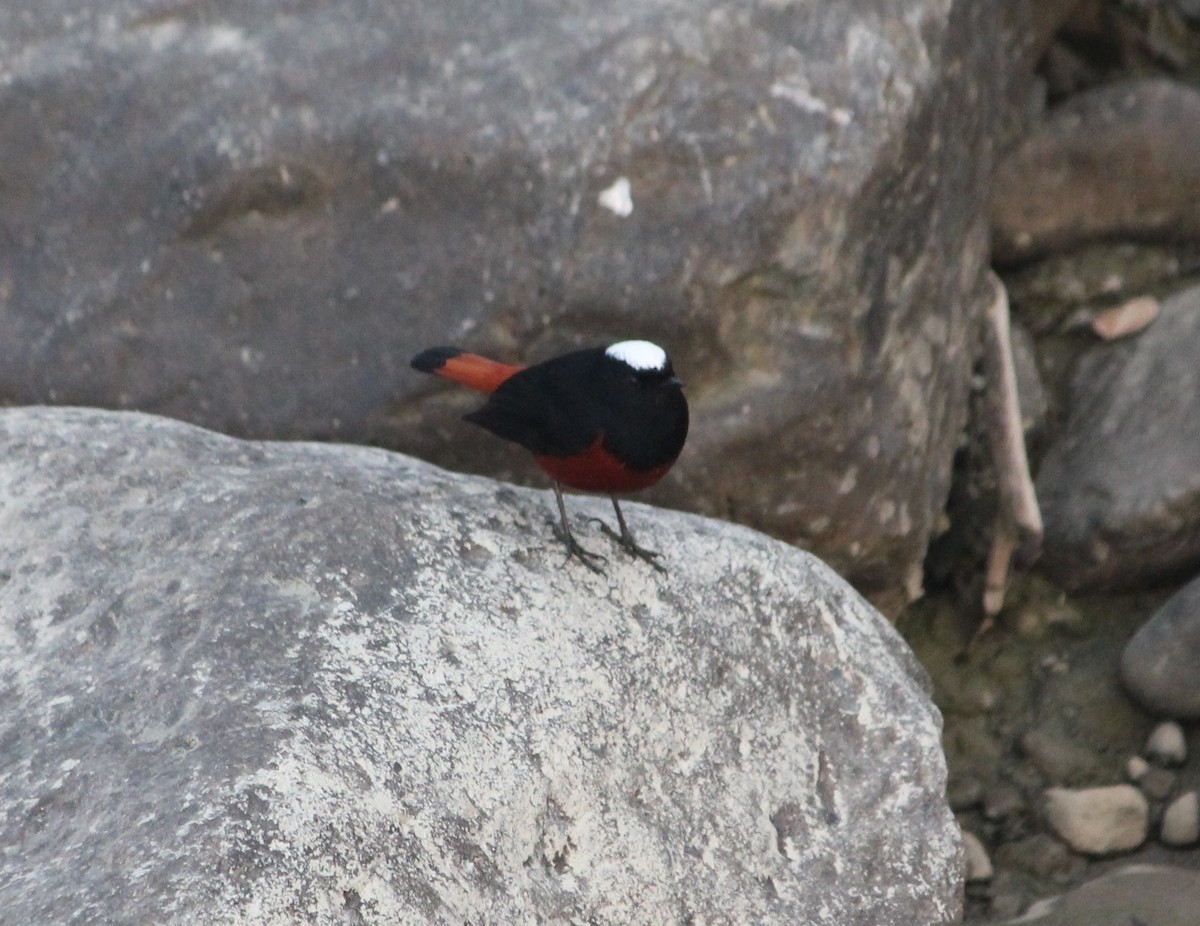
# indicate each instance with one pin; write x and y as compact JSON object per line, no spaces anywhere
{"x":549,"y":407}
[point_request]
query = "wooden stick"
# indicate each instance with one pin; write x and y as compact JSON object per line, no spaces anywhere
{"x":1019,"y":518}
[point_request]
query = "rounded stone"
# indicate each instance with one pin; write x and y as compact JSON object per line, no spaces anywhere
{"x":1135,"y":768}
{"x":1099,"y":821}
{"x":1167,"y":744}
{"x":1181,"y":821}
{"x":979,"y":866}
{"x":1158,"y":667}
{"x":1119,"y":486}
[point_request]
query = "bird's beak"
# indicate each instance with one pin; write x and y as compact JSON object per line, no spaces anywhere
{"x":675,"y":381}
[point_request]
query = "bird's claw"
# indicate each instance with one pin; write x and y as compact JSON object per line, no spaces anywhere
{"x":585,"y":556}
{"x":626,"y":542}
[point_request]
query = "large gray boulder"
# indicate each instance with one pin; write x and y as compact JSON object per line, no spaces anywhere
{"x":250,"y":216}
{"x":281,"y":683}
{"x":1120,"y":486}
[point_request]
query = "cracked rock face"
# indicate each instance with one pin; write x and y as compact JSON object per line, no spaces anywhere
{"x":280,"y":683}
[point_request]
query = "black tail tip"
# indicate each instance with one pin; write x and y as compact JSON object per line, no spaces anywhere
{"x":432,"y":360}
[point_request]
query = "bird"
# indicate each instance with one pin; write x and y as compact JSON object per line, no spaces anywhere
{"x":609,"y":419}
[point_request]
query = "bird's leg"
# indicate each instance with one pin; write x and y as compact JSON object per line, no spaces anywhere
{"x":626,"y":541}
{"x":573,"y":548}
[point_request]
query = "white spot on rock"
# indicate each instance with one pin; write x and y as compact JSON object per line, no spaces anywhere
{"x":618,"y":198}
{"x":226,"y":40}
{"x":799,"y":97}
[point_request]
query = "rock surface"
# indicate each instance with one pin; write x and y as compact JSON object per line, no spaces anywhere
{"x":1158,"y":666}
{"x":1120,"y":161}
{"x":278,"y":683}
{"x":1120,"y":488}
{"x":359,"y":179}
{"x":1099,"y":821}
{"x":1154,"y":895}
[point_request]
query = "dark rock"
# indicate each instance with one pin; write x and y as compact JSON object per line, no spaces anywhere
{"x":1157,"y":784}
{"x":1003,"y":801}
{"x":1119,"y":161}
{"x":1040,"y":855}
{"x":1120,"y":488}
{"x":281,"y":683}
{"x":1153,"y":895}
{"x":1158,"y":666}
{"x":1112,"y":40}
{"x":963,"y":792}
{"x":1009,"y":896}
{"x":1060,"y":761}
{"x":1030,"y":28}
{"x":1047,"y":293}
{"x":250,"y":216}
{"x":1189,"y":8}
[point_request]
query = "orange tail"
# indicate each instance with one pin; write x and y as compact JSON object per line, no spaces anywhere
{"x":469,"y":369}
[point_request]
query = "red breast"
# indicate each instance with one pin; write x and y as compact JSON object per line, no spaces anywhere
{"x":597,"y":470}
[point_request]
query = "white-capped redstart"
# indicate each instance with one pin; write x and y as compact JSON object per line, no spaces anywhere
{"x":605,"y":419}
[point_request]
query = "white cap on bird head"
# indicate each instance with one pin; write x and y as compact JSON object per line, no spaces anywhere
{"x":641,"y":355}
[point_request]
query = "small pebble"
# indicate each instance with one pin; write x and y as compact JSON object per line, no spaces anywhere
{"x":1002,"y":801}
{"x":964,"y":793}
{"x":1157,"y":783}
{"x":1061,"y":761}
{"x":1181,"y":821}
{"x":979,"y":866}
{"x":1099,"y":821}
{"x":1008,"y":903}
{"x":1039,"y":855}
{"x":1135,"y":768}
{"x":1123,"y":320}
{"x":1167,"y":744}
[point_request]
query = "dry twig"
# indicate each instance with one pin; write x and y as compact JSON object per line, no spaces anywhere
{"x":1018,"y":520}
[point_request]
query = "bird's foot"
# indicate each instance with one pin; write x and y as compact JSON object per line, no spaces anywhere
{"x":574,"y":549}
{"x":625,"y":541}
